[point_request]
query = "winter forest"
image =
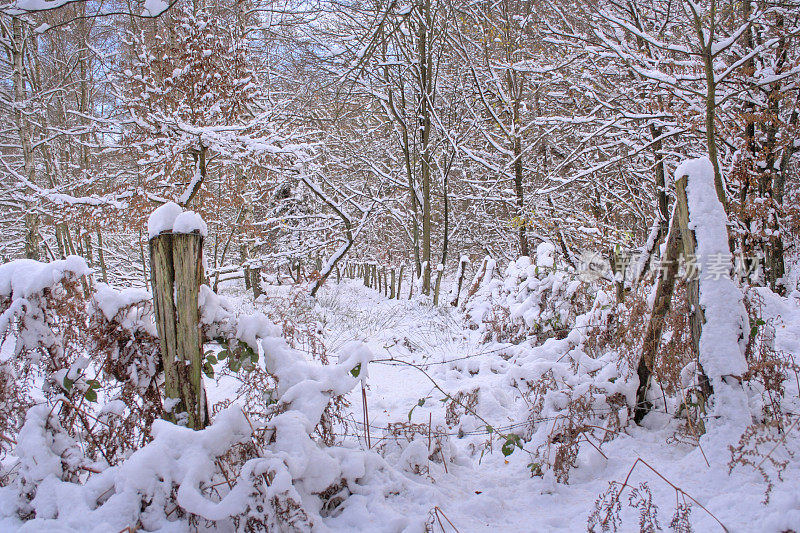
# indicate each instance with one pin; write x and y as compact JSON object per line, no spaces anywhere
{"x":399,"y":265}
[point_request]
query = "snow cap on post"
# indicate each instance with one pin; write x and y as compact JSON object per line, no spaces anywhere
{"x":171,"y":218}
{"x":190,"y":222}
{"x":162,"y":219}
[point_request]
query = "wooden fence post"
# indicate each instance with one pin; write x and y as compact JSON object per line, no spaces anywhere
{"x":696,"y":318}
{"x":462,"y":269}
{"x":255,"y":281}
{"x":177,"y":271}
{"x":400,"y":280}
{"x":680,"y":242}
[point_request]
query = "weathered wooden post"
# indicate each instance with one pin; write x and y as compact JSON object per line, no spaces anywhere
{"x":698,"y":232}
{"x":392,"y":287}
{"x":176,"y":265}
{"x":399,"y":280}
{"x":696,"y":318}
{"x":462,"y":269}
{"x":255,"y":281}
{"x":437,"y":285}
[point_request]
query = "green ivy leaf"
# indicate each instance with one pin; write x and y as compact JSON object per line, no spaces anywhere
{"x":420,"y":403}
{"x":93,"y":383}
{"x":222,"y":355}
{"x":356,"y":370}
{"x":212,"y":359}
{"x":512,"y":442}
{"x":508,"y":448}
{"x":68,"y":383}
{"x":269,"y":398}
{"x":208,"y":370}
{"x":536,"y":469}
{"x":91,"y":395}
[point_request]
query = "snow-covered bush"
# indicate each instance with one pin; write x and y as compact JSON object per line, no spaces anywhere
{"x":89,"y":355}
{"x":575,"y":389}
{"x":414,"y":446}
{"x":534,"y":299}
{"x":42,"y":324}
{"x":240,"y":473}
{"x":575,"y":395}
{"x":92,"y":451}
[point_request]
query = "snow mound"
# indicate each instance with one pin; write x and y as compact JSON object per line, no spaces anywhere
{"x":24,"y":278}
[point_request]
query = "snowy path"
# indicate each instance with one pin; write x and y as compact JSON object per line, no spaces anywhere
{"x":489,"y":492}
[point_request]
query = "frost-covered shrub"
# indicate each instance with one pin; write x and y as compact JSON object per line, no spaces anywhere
{"x":89,"y":354}
{"x":534,"y":299}
{"x":267,"y":474}
{"x":43,"y":319}
{"x":574,"y":390}
{"x":94,"y":452}
{"x":574,"y":397}
{"x":412,"y":447}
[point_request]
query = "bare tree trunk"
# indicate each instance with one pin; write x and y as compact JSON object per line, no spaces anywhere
{"x":706,"y":39}
{"x":462,"y":269}
{"x":400,"y":280}
{"x":519,"y":191}
{"x":32,"y":237}
{"x":255,"y":281}
{"x":426,"y":102}
{"x":655,"y":326}
{"x":101,"y":256}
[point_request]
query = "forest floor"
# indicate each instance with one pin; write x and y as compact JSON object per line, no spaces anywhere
{"x":425,"y":355}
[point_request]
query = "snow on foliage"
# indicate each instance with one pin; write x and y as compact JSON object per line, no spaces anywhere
{"x":241,"y":472}
{"x":544,"y":324}
{"x":25,"y":278}
{"x":532,"y":298}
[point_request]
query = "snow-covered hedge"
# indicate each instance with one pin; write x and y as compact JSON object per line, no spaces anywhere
{"x":93,"y":454}
{"x":538,"y":298}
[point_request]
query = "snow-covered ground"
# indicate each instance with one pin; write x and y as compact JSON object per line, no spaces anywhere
{"x":483,"y":490}
{"x":453,"y":442}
